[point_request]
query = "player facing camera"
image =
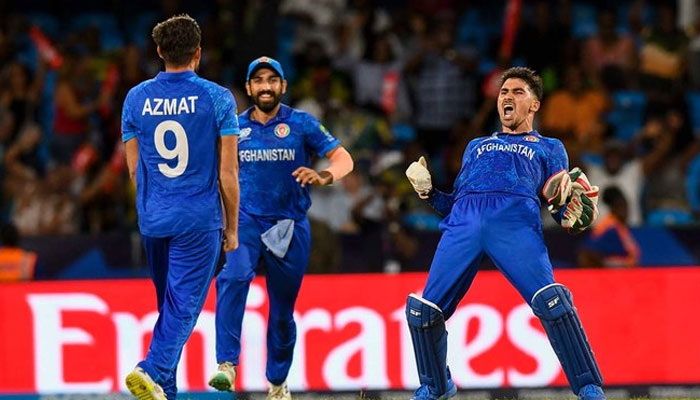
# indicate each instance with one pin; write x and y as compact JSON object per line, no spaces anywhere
{"x":494,"y":211}
{"x":519,"y":98}
{"x":265,"y":83}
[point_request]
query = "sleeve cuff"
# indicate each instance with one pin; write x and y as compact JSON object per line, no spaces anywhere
{"x":126,"y":136}
{"x":332,"y":145}
{"x":230,"y":131}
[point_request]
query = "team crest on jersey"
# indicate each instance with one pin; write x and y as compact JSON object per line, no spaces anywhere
{"x":282,"y":131}
{"x":531,"y":138}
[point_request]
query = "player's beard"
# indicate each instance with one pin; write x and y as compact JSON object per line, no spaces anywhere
{"x":268,"y":105}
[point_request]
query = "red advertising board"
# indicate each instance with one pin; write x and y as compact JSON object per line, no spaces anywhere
{"x":85,"y":336}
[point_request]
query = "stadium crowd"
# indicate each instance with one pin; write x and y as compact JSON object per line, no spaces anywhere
{"x":393,"y":80}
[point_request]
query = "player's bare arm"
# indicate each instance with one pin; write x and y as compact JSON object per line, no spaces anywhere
{"x":132,"y":157}
{"x":341,"y":164}
{"x":228,"y":184}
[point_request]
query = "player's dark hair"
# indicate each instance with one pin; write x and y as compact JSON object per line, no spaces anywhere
{"x":529,"y":76}
{"x":178,"y":38}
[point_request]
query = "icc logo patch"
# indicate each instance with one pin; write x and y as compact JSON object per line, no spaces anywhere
{"x":282,"y":131}
{"x":531,"y":138}
{"x":325,"y":132}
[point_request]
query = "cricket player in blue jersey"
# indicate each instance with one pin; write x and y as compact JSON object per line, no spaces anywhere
{"x":181,"y":142}
{"x":275,"y":148}
{"x":494,"y":211}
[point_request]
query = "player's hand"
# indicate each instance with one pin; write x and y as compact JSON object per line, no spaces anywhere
{"x":307,"y":176}
{"x":557,"y":190}
{"x":230,"y":240}
{"x":582,"y":209}
{"x":419,"y":176}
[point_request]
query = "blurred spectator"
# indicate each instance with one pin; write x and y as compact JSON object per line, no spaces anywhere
{"x":623,"y":169}
{"x":693,"y":32}
{"x":663,"y":55}
{"x":610,"y":243}
{"x":666,"y":182}
{"x":444,"y":84}
{"x":318,"y":87}
{"x":609,"y":49}
{"x":101,"y":189}
{"x":22,"y":161}
{"x":378,"y":78}
{"x":360,"y":25}
{"x":349,"y":206}
{"x":131,"y":70}
{"x":47,"y":207}
{"x":362,"y":131}
{"x":73,"y":108}
{"x":573,"y":113}
{"x":20,"y":94}
{"x":315,"y":21}
{"x":544,"y":40}
{"x":15,"y":264}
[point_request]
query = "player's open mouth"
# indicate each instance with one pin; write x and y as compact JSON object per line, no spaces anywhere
{"x":508,"y":110}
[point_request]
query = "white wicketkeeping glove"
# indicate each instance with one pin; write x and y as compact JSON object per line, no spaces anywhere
{"x":582,"y":210}
{"x":557,"y":190}
{"x":417,"y":173}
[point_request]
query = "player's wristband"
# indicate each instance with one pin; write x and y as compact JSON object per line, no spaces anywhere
{"x":330,"y":175}
{"x":441,"y":202}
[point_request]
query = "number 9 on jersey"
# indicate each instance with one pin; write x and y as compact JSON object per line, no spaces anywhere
{"x":180,"y":151}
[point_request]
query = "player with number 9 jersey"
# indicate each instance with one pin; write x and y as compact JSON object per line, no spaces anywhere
{"x":177,"y":118}
{"x":180,"y":133}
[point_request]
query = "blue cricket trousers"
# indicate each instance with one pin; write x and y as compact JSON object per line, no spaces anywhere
{"x":504,"y":227}
{"x":182,"y":268}
{"x":283,"y":278}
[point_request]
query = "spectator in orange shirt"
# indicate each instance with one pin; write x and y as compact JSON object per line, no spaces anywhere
{"x":15,"y":264}
{"x":610,"y":243}
{"x":573,"y":113}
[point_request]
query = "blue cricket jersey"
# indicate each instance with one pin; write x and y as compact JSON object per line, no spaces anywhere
{"x":516,"y":164}
{"x":177,"y":119}
{"x":269,"y":153}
